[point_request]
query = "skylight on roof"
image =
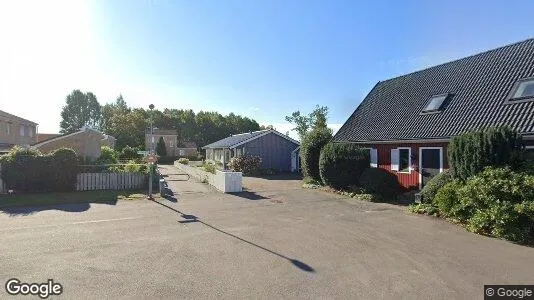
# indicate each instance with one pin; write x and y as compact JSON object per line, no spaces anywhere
{"x":523,"y":89}
{"x":435,"y":103}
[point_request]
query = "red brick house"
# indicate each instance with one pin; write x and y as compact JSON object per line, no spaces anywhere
{"x":407,"y":122}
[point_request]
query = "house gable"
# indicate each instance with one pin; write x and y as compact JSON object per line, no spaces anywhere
{"x":275,"y":150}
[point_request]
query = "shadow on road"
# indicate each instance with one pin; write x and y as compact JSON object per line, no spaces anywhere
{"x":249,"y":195}
{"x":169,"y":195}
{"x":28,"y":210}
{"x":281,"y":176}
{"x":194,"y":219}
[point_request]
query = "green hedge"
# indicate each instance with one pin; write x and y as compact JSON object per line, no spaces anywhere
{"x":310,"y":151}
{"x":29,"y":171}
{"x":128,"y":153}
{"x":497,"y":202}
{"x":437,"y":182}
{"x":381,"y":182}
{"x":471,"y":152}
{"x":340,"y":165}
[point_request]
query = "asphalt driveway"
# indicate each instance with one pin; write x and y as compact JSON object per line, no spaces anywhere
{"x":270,"y":242}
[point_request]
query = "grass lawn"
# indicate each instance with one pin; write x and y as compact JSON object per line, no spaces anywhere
{"x":106,"y":196}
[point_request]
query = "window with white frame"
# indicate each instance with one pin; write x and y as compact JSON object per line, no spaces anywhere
{"x":8,"y":128}
{"x":401,"y":160}
{"x":22,"y":129}
{"x":373,"y":157}
{"x":523,"y":89}
{"x":30,"y":131}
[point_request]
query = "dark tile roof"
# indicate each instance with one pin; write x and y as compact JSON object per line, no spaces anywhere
{"x":480,"y":85}
{"x":235,"y":139}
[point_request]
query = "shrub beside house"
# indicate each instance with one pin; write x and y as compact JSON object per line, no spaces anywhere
{"x":488,"y":189}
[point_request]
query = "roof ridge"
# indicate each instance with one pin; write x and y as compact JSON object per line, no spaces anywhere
{"x":250,"y":132}
{"x":460,"y":59}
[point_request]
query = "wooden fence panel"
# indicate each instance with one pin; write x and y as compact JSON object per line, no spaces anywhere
{"x":109,"y":181}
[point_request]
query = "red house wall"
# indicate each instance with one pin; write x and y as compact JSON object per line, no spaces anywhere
{"x":406,"y":180}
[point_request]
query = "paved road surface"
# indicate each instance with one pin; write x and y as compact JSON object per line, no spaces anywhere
{"x":269,"y":243}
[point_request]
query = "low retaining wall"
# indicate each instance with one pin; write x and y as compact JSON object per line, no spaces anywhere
{"x":226,"y":182}
{"x":196,"y":163}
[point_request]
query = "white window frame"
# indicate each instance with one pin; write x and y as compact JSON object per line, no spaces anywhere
{"x":421,"y":162}
{"x":22,"y":130}
{"x":30,"y":131}
{"x":409,"y":160}
{"x":371,"y":150}
{"x":8,"y":128}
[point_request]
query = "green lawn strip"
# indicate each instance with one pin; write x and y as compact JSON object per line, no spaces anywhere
{"x":105,"y":196}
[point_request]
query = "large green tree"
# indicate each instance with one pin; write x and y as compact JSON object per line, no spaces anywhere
{"x":110,"y":110}
{"x":316,"y":120}
{"x":128,"y":125}
{"x":81,"y":109}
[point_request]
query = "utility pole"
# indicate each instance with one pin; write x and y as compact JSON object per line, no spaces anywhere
{"x":151,"y":164}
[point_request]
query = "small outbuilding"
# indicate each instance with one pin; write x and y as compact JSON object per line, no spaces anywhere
{"x":276,"y":150}
{"x":86,"y":142}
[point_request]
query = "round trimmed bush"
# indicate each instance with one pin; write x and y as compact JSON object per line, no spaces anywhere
{"x":381,"y":182}
{"x":310,"y":151}
{"x":128,"y":153}
{"x":431,"y":188}
{"x":183,"y":161}
{"x":340,"y":165}
{"x":447,"y":200}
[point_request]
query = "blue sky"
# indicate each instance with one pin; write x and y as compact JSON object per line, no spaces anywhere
{"x":262,"y":59}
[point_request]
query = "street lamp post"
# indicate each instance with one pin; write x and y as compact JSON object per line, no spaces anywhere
{"x":151,"y":106}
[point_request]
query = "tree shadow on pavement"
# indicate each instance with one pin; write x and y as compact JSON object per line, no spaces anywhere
{"x":249,"y":195}
{"x":29,"y":210}
{"x":194,"y":219}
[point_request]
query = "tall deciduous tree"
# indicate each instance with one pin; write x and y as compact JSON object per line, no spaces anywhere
{"x":81,"y":109}
{"x":110,"y":110}
{"x":316,"y":120}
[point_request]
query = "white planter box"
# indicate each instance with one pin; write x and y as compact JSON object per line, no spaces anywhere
{"x":226,"y":182}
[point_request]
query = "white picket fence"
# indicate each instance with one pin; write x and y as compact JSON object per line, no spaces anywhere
{"x":110,"y":181}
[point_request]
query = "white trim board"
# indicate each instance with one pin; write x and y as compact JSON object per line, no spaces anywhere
{"x":410,"y":169}
{"x":429,"y":141}
{"x":421,"y":162}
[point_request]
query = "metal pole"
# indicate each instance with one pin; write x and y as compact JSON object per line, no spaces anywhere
{"x":150,"y":182}
{"x":151,"y":165}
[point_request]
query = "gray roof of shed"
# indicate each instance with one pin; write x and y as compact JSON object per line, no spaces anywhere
{"x":236,"y":139}
{"x":480,"y":85}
